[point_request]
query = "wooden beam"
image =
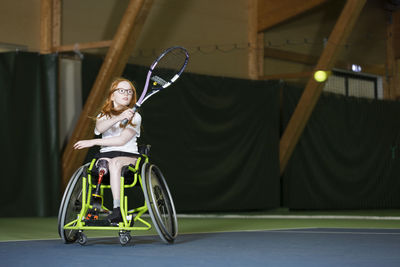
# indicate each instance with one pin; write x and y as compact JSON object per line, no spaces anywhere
{"x":260,"y":54}
{"x":129,"y":46}
{"x":46,"y":10}
{"x":56,"y":23}
{"x":313,"y":89}
{"x":252,"y":36}
{"x":392,"y":86}
{"x":396,"y":33}
{"x":388,"y":89}
{"x":273,"y":12}
{"x":313,"y":60}
{"x":112,"y":67}
{"x":82,"y":46}
{"x":256,"y":43}
{"x":396,"y":79}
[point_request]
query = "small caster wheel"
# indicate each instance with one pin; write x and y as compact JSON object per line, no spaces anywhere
{"x":124,"y":239}
{"x":82,"y":239}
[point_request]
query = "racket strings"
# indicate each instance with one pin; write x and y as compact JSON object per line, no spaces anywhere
{"x":169,"y":65}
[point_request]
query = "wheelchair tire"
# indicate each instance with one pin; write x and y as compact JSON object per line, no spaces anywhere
{"x":71,"y":205}
{"x":159,"y":202}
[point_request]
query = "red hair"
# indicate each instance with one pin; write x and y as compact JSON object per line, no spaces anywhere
{"x":108,"y":107}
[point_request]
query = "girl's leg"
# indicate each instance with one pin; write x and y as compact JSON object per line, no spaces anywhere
{"x":115,"y":166}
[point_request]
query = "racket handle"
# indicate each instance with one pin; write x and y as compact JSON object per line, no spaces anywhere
{"x":124,"y":122}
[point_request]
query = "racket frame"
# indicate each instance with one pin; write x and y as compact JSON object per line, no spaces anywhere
{"x":144,"y":96}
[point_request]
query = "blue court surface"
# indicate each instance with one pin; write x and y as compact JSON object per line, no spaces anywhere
{"x":291,"y":247}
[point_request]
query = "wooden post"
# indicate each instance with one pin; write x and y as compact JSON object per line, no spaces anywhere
{"x":391,"y":88}
{"x":260,"y":54}
{"x":46,"y":10}
{"x":113,"y":65}
{"x":134,"y":34}
{"x":313,"y":89}
{"x":253,"y":40}
{"x":388,"y":89}
{"x":56,"y":23}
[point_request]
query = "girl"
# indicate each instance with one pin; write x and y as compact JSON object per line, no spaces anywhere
{"x":118,"y":143}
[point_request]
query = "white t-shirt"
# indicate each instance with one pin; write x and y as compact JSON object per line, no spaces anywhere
{"x":115,"y":130}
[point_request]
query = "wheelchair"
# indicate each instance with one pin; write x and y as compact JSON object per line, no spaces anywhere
{"x":77,"y":204}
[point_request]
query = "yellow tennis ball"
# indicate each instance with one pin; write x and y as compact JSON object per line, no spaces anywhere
{"x":320,"y":76}
{"x":154,"y":83}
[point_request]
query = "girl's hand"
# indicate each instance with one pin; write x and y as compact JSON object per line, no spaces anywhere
{"x":84,"y":144}
{"x":127,"y":114}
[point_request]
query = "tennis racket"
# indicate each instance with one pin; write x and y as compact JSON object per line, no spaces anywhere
{"x":163,"y":72}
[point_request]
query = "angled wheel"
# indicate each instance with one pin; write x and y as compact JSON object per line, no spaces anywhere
{"x":124,"y":237}
{"x":71,"y":205}
{"x":159,"y":202}
{"x":82,"y":238}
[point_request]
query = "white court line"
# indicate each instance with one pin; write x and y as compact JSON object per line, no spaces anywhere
{"x":300,"y":230}
{"x":329,"y":217}
{"x":334,"y":232}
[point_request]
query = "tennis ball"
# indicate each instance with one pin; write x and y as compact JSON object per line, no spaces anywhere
{"x":154,"y":83}
{"x":321,"y":76}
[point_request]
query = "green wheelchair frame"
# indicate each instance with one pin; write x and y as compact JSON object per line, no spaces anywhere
{"x":158,"y":203}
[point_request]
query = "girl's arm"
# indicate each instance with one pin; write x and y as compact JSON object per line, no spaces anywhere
{"x":105,"y":123}
{"x":126,"y":135}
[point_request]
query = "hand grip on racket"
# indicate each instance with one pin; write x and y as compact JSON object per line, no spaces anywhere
{"x":163,"y":72}
{"x":125,"y":121}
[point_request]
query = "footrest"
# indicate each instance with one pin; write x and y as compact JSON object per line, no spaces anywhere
{"x":97,"y":222}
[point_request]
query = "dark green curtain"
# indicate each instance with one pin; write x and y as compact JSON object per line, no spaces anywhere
{"x":215,"y":139}
{"x":348,"y":156}
{"x":30,"y":165}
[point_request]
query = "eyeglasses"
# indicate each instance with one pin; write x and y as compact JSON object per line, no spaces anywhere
{"x":123,"y":91}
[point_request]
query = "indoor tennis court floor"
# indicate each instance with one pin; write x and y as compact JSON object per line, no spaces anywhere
{"x":274,"y":238}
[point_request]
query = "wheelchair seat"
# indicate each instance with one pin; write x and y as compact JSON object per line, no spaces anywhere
{"x":128,"y":171}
